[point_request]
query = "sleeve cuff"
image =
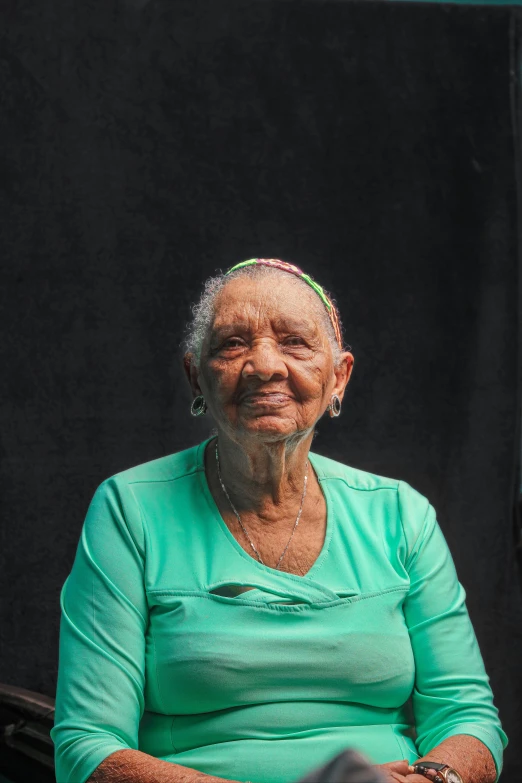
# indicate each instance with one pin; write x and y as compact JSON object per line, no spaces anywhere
{"x":82,"y":769}
{"x":494,"y":739}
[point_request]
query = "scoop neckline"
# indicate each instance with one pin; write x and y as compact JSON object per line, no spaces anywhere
{"x":318,"y":562}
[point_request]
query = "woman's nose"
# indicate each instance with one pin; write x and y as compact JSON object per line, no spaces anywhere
{"x":265,"y":361}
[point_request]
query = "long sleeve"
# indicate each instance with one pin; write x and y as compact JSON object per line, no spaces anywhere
{"x":99,"y":700}
{"x":451,"y":693}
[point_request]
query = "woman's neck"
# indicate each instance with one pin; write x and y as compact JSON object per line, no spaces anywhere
{"x":260,"y":477}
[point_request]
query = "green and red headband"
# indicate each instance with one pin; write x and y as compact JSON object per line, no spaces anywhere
{"x":294,"y":270}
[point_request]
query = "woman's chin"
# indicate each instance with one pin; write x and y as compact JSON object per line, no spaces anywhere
{"x":272,"y":426}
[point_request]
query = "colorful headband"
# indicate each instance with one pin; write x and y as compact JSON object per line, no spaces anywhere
{"x":294,"y":270}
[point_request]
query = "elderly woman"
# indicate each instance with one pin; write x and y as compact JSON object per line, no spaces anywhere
{"x":246,"y":609}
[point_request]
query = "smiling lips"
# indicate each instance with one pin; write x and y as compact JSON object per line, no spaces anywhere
{"x":272,"y":399}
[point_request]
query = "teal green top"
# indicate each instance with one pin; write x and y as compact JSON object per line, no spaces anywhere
{"x":373,"y":649}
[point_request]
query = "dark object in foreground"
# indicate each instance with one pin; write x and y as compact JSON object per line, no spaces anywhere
{"x":347,"y":767}
{"x":26,"y":748}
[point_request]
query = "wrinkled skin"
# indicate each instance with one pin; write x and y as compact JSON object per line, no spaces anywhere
{"x":268,"y":337}
{"x":267,"y":374}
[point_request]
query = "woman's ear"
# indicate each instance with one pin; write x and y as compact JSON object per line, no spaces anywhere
{"x":343,"y":372}
{"x":192,"y":373}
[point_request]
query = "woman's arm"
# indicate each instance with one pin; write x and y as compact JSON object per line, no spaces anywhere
{"x":452,"y":700}
{"x":101,"y":673}
{"x":101,"y":678}
{"x":133,"y":766}
{"x":467,"y":755}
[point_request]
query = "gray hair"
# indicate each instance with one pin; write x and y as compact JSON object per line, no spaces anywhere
{"x":203,"y":311}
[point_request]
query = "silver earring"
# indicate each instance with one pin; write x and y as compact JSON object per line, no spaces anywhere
{"x":199,"y":406}
{"x":335,"y":406}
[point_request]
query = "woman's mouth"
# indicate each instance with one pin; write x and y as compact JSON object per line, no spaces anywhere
{"x":270,"y":399}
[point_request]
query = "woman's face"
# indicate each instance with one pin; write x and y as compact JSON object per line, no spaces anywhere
{"x":266,"y":366}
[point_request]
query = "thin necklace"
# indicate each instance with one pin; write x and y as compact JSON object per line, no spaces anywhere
{"x":239,"y":518}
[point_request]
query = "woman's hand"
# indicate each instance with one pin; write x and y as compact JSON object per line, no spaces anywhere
{"x":399,"y":772}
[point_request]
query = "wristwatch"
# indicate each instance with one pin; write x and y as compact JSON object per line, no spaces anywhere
{"x":438,"y":773}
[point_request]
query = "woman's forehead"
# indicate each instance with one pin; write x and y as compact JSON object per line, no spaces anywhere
{"x":274,"y":298}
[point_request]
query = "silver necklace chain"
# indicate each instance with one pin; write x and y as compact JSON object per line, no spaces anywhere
{"x":239,"y":518}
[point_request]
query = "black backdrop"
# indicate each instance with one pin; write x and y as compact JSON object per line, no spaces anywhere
{"x":144,"y":145}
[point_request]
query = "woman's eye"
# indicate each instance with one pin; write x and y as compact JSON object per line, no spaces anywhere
{"x":294,"y":340}
{"x":232,"y":342}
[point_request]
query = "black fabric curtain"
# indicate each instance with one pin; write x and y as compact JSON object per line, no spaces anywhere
{"x":146,"y":144}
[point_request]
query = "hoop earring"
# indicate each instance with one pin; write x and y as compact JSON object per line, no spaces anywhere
{"x":335,"y":406}
{"x":199,"y":406}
